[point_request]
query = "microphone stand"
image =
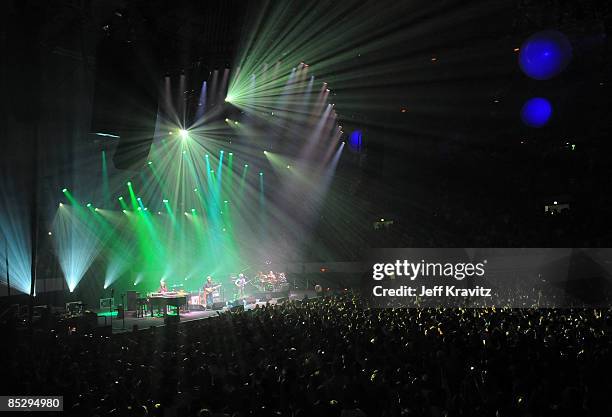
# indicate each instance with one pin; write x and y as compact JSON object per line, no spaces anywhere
{"x":124,"y":310}
{"x":8,"y":278}
{"x":110,"y":307}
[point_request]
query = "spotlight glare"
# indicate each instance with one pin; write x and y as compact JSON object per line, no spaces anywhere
{"x":124,"y":211}
{"x":183,"y":133}
{"x":536,"y":112}
{"x":164,"y":201}
{"x":129,"y":183}
{"x":545,"y":54}
{"x":64,"y":190}
{"x":120,"y":197}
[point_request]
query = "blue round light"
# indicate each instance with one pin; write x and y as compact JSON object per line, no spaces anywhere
{"x":545,"y":54}
{"x":536,"y":112}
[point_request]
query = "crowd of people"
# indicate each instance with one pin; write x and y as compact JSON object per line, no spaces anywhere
{"x":330,"y":356}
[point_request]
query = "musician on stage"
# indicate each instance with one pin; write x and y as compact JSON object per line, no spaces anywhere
{"x":162,"y":286}
{"x":240,"y":283}
{"x":208,"y":291}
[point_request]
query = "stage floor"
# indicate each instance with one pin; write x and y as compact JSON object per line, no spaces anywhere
{"x":121,"y":326}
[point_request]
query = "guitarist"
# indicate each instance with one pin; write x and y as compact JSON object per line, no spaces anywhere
{"x":240,"y":283}
{"x":209,"y":287}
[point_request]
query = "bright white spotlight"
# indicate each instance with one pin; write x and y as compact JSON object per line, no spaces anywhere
{"x":183,"y":133}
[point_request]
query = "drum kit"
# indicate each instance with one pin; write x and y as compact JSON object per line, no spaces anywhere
{"x":271,"y":282}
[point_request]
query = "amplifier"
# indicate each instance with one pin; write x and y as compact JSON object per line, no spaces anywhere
{"x":218,"y":305}
{"x":132,"y":297}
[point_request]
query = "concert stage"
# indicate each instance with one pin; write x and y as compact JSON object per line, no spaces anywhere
{"x":127,"y":325}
